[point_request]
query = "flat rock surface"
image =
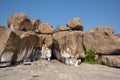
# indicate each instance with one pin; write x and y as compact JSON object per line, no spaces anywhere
{"x":54,"y":70}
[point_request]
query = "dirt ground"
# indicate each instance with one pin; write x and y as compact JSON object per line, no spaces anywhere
{"x":54,"y":70}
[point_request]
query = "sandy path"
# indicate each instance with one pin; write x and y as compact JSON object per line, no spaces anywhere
{"x":55,"y":70}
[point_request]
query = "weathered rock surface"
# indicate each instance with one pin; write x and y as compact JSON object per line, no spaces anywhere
{"x":67,"y":47}
{"x":45,"y":45}
{"x":46,"y":39}
{"x":102,"y":40}
{"x":110,"y":60}
{"x":35,"y":24}
{"x":20,"y":21}
{"x":105,"y":43}
{"x":62,"y":28}
{"x":26,"y":46}
{"x":45,"y":28}
{"x":1,"y":26}
{"x":75,"y":24}
{"x":16,"y":46}
{"x":101,"y":29}
{"x":118,"y":35}
{"x":8,"y":41}
{"x":33,"y":40}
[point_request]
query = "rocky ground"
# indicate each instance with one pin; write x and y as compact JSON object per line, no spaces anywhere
{"x":54,"y":70}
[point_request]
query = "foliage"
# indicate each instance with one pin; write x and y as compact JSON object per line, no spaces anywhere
{"x":56,"y":29}
{"x":90,"y":57}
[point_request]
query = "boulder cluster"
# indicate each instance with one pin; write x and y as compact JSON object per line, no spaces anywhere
{"x":31,"y":40}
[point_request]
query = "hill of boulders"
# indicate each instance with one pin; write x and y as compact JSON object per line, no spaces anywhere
{"x":28,"y":40}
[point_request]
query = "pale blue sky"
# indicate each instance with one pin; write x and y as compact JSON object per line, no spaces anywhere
{"x":58,"y":12}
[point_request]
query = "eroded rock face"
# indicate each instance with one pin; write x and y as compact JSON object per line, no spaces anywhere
{"x":20,"y":21}
{"x":105,"y":43}
{"x":75,"y":24}
{"x":102,"y":40}
{"x":28,"y":42}
{"x":110,"y":60}
{"x":67,"y":47}
{"x":44,"y":46}
{"x":16,"y":46}
{"x":35,"y":24}
{"x":8,"y":45}
{"x":33,"y":40}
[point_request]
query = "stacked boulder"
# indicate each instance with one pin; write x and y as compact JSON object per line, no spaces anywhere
{"x":20,"y":21}
{"x":105,"y":43}
{"x":44,"y":32}
{"x":75,"y":24}
{"x":70,"y":43}
{"x":26,"y":40}
{"x":20,"y":42}
{"x":67,"y":43}
{"x":16,"y":45}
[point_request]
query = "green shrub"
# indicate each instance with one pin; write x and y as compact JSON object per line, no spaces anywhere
{"x":90,"y":56}
{"x":56,"y":29}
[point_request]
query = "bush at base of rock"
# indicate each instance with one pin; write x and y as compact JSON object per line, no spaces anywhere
{"x":90,"y":56}
{"x":102,"y":40}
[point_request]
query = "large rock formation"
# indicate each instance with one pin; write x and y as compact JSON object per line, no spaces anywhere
{"x":8,"y":45}
{"x":75,"y":24}
{"x":16,"y":46}
{"x":104,"y":42}
{"x":33,"y":40}
{"x":43,"y":31}
{"x":67,"y":47}
{"x":20,"y":21}
{"x":44,"y":46}
{"x":27,"y":44}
